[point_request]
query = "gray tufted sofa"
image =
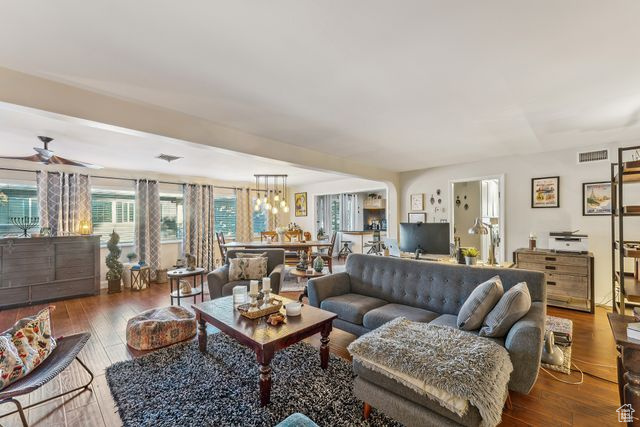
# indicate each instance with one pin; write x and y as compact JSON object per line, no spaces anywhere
{"x":375,"y":289}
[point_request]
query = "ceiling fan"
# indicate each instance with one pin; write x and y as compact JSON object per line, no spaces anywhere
{"x":46,"y":156}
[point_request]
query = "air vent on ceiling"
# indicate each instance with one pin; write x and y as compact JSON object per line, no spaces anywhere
{"x":168,"y":157}
{"x":593,"y":156}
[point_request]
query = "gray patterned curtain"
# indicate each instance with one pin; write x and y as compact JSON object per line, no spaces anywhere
{"x":199,"y":239}
{"x":147,"y":224}
{"x":244,"y":215}
{"x":64,"y":200}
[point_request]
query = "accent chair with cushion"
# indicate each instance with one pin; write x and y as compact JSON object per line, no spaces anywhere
{"x":218,"y":280}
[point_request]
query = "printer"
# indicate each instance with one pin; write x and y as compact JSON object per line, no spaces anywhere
{"x":568,"y":241}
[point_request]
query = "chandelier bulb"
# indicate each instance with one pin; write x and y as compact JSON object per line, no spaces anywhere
{"x":283,"y":203}
{"x":286,"y":209}
{"x":274,"y":210}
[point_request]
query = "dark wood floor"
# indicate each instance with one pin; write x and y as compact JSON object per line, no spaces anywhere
{"x":550,"y":403}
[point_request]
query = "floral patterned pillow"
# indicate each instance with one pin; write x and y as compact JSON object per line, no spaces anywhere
{"x":247,"y":268}
{"x":31,"y":341}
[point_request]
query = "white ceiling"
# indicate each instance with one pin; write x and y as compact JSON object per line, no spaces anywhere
{"x":398,"y":84}
{"x":116,"y":148}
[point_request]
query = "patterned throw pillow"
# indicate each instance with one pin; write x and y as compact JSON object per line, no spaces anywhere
{"x":247,"y":268}
{"x":250,"y":255}
{"x":483,"y":298}
{"x":31,"y":341}
{"x":513,"y":305}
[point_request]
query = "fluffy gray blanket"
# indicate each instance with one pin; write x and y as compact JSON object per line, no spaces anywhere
{"x":458,"y":362}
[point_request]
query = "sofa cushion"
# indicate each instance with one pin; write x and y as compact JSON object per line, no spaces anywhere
{"x":227,"y":288}
{"x":351,"y":307}
{"x":513,"y":305}
{"x":381,"y":315}
{"x":482,"y":299}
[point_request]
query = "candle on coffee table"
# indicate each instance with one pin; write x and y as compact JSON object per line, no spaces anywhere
{"x":266,"y":284}
{"x":253,"y":287}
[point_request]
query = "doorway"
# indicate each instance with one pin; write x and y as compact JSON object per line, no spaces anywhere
{"x":478,"y":199}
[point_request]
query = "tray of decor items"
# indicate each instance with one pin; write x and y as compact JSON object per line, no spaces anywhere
{"x":251,"y":311}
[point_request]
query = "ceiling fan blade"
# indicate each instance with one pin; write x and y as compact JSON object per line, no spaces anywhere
{"x":62,"y":161}
{"x":33,"y":158}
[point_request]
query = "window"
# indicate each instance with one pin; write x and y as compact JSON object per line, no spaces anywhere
{"x":19,"y":201}
{"x":171,"y":217}
{"x":113,"y":210}
{"x":224,"y":207}
{"x":260,"y":220}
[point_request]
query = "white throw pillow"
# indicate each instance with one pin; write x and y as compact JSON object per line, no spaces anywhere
{"x":247,"y":268}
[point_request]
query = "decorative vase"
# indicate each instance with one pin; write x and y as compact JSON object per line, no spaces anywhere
{"x":471,"y":260}
{"x":280,"y":237}
{"x":318,"y":264}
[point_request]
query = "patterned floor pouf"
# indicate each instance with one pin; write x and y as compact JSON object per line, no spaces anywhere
{"x":160,"y":327}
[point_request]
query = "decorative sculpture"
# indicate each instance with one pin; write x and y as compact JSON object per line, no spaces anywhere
{"x":191,"y":262}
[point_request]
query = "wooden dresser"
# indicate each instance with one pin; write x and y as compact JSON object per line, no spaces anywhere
{"x":34,"y":270}
{"x":570,"y":280}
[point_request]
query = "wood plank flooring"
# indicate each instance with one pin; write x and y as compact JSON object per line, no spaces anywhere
{"x":550,"y":403}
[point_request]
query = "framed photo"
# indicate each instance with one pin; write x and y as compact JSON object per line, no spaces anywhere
{"x":596,"y":198}
{"x":301,"y":204}
{"x":417,"y":202}
{"x":415,"y":217}
{"x":545,"y":192}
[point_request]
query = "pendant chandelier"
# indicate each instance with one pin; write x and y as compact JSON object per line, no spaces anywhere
{"x":271,"y":191}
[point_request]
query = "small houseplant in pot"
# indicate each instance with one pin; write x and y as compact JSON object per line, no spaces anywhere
{"x":114,"y":275}
{"x":131,"y":256}
{"x":471,"y":256}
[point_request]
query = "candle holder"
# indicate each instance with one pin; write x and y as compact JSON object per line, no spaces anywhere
{"x":266,"y":302}
{"x":254,"y":302}
{"x":25,"y":223}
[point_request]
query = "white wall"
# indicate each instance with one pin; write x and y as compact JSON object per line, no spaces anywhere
{"x":520,"y":218}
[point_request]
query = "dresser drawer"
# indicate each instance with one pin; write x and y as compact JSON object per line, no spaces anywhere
{"x":565,"y":284}
{"x":554,"y":268}
{"x":58,"y":290}
{"x":553,"y":259}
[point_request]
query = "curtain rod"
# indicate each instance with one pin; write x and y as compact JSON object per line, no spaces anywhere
{"x":130,"y":179}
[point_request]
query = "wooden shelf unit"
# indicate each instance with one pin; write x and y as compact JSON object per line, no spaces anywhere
{"x":625,"y":286}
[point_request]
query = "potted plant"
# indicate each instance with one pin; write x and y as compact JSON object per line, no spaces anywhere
{"x":131,"y":256}
{"x":114,"y":275}
{"x":471,"y":256}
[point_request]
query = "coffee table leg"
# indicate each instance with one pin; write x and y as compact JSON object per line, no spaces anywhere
{"x":264,"y":359}
{"x":324,"y":346}
{"x":202,"y":335}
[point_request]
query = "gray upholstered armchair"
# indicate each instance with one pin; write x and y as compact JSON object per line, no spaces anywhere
{"x":218,"y":280}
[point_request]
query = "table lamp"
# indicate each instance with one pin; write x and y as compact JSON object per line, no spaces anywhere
{"x":480,"y":227}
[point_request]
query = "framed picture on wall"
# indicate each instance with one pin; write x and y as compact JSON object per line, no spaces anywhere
{"x":596,"y":198}
{"x":417,"y":202}
{"x":545,"y":192}
{"x":415,"y":217}
{"x":301,"y":204}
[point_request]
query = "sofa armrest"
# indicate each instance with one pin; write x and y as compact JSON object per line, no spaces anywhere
{"x":276,"y":278}
{"x":324,"y":287}
{"x":216,"y":280}
{"x":524,"y":343}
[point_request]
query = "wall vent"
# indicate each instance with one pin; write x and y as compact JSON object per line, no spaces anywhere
{"x":593,"y":156}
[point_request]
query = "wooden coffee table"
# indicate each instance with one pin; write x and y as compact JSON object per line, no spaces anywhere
{"x":261,"y":337}
{"x":304,"y":274}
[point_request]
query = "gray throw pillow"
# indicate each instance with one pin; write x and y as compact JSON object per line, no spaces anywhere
{"x":513,"y":305}
{"x":483,"y":298}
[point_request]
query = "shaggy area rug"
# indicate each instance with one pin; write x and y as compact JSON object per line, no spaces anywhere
{"x":179,"y":386}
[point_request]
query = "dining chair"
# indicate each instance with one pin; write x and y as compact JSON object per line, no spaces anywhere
{"x":221,"y":243}
{"x":265,"y":235}
{"x":290,"y":235}
{"x":328,"y":256}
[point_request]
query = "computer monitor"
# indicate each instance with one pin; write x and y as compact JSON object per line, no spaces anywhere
{"x":425,"y":238}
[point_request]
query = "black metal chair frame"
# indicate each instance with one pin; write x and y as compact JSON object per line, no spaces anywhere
{"x":48,"y":370}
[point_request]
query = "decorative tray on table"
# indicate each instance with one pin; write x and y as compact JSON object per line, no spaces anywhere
{"x":274,"y":307}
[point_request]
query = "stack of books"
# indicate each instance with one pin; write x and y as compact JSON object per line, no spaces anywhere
{"x":633,"y":331}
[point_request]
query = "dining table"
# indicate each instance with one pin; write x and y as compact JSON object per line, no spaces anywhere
{"x":299,"y":245}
